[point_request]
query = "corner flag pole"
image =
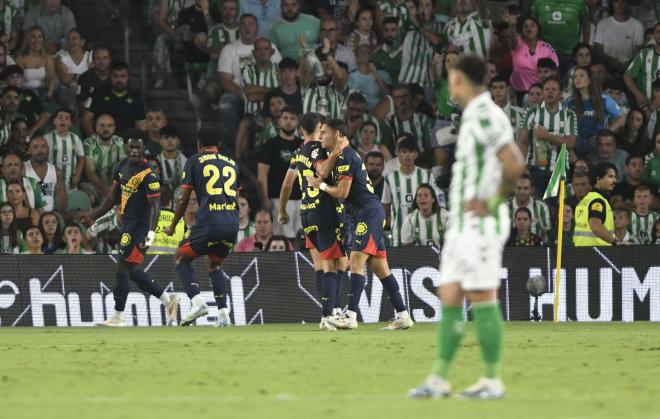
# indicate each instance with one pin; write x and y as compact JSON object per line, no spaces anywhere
{"x":560,"y":239}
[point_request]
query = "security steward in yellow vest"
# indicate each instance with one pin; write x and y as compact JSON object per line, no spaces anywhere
{"x":594,"y":219}
{"x":164,"y":244}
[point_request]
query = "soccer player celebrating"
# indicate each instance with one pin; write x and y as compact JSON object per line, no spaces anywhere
{"x":214,"y":178}
{"x":487,"y":165}
{"x":368,"y":216}
{"x":134,"y":181}
{"x":319,"y":217}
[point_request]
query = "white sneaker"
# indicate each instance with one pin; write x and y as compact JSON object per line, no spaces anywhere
{"x":197,"y":310}
{"x":114,"y":321}
{"x":337,"y":312}
{"x":223,"y":318}
{"x":433,"y":387}
{"x":326,"y":324}
{"x":483,"y":389}
{"x":402,"y":322}
{"x":346,"y":322}
{"x":171,"y":309}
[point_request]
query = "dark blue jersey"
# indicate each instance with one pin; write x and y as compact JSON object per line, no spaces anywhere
{"x":361,"y":195}
{"x":138,"y":182}
{"x":304,"y":162}
{"x":214,"y":178}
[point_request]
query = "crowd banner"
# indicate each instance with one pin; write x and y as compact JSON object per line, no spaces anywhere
{"x":597,"y":284}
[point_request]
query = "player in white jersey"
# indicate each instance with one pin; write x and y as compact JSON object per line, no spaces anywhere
{"x":487,"y":165}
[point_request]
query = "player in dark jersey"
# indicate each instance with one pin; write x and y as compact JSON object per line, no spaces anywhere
{"x":318,"y":216}
{"x":368,"y":217}
{"x":136,"y":187}
{"x":214,"y":178}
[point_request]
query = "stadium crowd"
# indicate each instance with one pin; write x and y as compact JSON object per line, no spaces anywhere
{"x":585,"y":73}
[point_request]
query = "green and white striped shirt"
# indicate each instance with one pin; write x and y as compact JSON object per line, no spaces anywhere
{"x":5,"y":134}
{"x":105,"y":157}
{"x":417,"y":60}
{"x":35,"y":195}
{"x":472,"y":37}
{"x":99,"y":230}
{"x":171,"y":169}
{"x":10,"y":19}
{"x":543,"y":154}
{"x":219,"y":35}
{"x":644,"y":69}
{"x":269,"y":131}
{"x":477,"y":171}
{"x":245,"y":232}
{"x":253,"y":75}
{"x":641,"y":226}
{"x":419,"y":125}
{"x":421,"y":231}
{"x":399,"y":191}
{"x":516,"y":116}
{"x":64,"y":153}
{"x":541,"y":224}
{"x":326,"y":100}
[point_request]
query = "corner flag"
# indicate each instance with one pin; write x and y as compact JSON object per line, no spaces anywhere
{"x":557,"y":175}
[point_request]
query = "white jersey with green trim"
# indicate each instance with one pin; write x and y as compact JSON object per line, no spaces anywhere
{"x":64,"y":152}
{"x":422,"y":231}
{"x":477,"y":171}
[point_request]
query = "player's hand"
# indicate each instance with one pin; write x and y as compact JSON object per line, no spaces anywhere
{"x":169,"y":230}
{"x":314,"y":181}
{"x":151,"y":235}
{"x":340,"y":146}
{"x":283,"y":218}
{"x":477,"y":207}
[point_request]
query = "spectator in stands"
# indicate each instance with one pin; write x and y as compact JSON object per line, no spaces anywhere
{"x":73,"y":240}
{"x":470,"y":32}
{"x":245,"y":224}
{"x":97,"y":77}
{"x":618,"y":37}
{"x":259,"y":78}
{"x":526,"y":50}
{"x":539,"y":212}
{"x":30,"y":105}
{"x":356,"y":116}
{"x":366,"y":137}
{"x":581,"y":186}
{"x":278,"y":244}
{"x":120,"y":101}
{"x":621,"y":225}
{"x":171,"y":160}
{"x":363,"y":33}
{"x":581,"y":57}
{"x":286,"y":32}
{"x":599,"y":71}
{"x":406,"y":120}
{"x":46,"y":174}
{"x":263,"y":231}
{"x":616,"y":89}
{"x":10,"y":25}
{"x":274,"y":160}
{"x":545,"y":128}
{"x":594,"y":110}
{"x":499,"y":90}
{"x":642,"y":71}
{"x":324,"y":86}
{"x":419,"y":46}
{"x":70,"y":63}
{"x":652,"y":160}
{"x":17,"y":143}
{"x":655,"y":235}
{"x":596,"y":13}
{"x":367,"y":79}
{"x":606,"y":151}
{"x":12,"y":171}
{"x":522,"y":235}
{"x":55,"y":19}
{"x":375,"y":163}
{"x":192,"y":23}
{"x":446,"y":111}
{"x":426,"y":224}
{"x":397,"y":9}
{"x":103,"y":151}
{"x":645,"y":12}
{"x":38,"y":65}
{"x":51,"y":228}
{"x":289,"y":88}
{"x":9,"y":101}
{"x":11,"y":238}
{"x":267,"y":12}
{"x":66,"y":150}
{"x":388,"y":54}
{"x":17,"y":196}
{"x":34,"y":241}
{"x":534,"y":97}
{"x":166,"y":25}
{"x":642,"y":218}
{"x":563,"y":25}
{"x":103,"y":235}
{"x":262,"y":134}
{"x":224,"y":32}
{"x":624,"y":192}
{"x":634,"y":137}
{"x":156,"y":119}
{"x":568,"y":227}
{"x":331,"y":30}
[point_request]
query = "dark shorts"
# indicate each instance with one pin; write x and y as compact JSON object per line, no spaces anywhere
{"x":322,"y":232}
{"x":131,"y":244}
{"x":368,"y":232}
{"x":214,"y":240}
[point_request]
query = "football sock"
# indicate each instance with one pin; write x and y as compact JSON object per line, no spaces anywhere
{"x":392,"y":289}
{"x":340,"y":285}
{"x":144,"y":281}
{"x":490,"y":329}
{"x":319,"y":283}
{"x":187,"y":277}
{"x":164,"y":298}
{"x":120,"y":292}
{"x":329,"y":292}
{"x":451,"y":330}
{"x":219,"y":284}
{"x":357,"y":286}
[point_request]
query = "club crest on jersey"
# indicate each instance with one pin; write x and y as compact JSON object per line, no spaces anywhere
{"x":315,"y":153}
{"x":125,"y":239}
{"x":361,"y":229}
{"x":154,"y":186}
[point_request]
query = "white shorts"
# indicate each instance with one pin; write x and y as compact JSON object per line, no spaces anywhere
{"x":472,"y":259}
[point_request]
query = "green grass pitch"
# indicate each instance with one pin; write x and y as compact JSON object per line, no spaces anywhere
{"x":296,"y":371}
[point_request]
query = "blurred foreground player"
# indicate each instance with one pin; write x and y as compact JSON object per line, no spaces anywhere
{"x":214,"y":179}
{"x":487,"y":167}
{"x":136,"y":182}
